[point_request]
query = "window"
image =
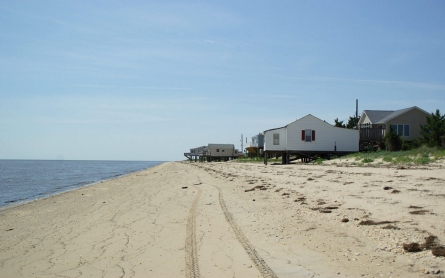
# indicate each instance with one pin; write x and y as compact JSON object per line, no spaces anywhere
{"x":217,"y":150}
{"x":308,"y":135}
{"x":276,"y":139}
{"x":223,"y":150}
{"x":406,"y":130}
{"x":401,"y":130}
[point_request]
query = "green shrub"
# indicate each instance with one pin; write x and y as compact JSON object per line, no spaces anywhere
{"x":440,"y":153}
{"x":367,"y":160}
{"x":393,"y":141}
{"x":388,"y":159}
{"x":403,"y":159}
{"x":424,"y":159}
{"x":319,"y":160}
{"x":434,"y":131}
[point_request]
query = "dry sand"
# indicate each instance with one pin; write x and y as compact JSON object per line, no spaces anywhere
{"x":234,"y":220}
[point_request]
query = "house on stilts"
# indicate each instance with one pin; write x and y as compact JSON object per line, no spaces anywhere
{"x":194,"y":153}
{"x":308,"y":138}
{"x":256,"y":146}
{"x":214,"y":152}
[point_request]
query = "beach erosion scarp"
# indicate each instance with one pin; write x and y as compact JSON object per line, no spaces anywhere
{"x":234,"y":219}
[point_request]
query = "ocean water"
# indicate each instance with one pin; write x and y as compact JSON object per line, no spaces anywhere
{"x":26,"y":180}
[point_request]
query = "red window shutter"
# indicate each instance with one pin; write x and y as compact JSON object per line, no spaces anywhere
{"x":302,"y":135}
{"x":313,"y":135}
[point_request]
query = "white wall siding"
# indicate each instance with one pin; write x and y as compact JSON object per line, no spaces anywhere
{"x":268,"y":140}
{"x":351,"y":144}
{"x":326,"y":136}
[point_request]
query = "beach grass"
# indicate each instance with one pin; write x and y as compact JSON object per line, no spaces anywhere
{"x":420,"y":156}
{"x":257,"y":160}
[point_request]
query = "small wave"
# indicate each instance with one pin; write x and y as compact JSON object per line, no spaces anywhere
{"x":14,"y":201}
{"x":81,"y":183}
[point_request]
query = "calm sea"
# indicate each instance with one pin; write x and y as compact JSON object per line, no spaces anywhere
{"x":26,"y":180}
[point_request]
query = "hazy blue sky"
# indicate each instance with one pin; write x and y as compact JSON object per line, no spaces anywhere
{"x":148,"y":80}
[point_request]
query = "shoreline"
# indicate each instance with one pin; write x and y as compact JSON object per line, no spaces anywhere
{"x":24,"y":202}
{"x":180,"y":218}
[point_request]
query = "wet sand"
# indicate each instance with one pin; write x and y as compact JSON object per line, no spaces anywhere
{"x":234,"y":220}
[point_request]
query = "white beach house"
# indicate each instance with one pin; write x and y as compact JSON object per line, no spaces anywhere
{"x":307,"y":137}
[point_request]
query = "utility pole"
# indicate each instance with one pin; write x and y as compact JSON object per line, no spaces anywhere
{"x":356,"y":108}
{"x":356,"y":111}
{"x":242,"y":146}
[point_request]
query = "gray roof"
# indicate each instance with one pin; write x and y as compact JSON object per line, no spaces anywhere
{"x":382,"y":116}
{"x":394,"y":114}
{"x":376,"y":116}
{"x":221,"y":146}
{"x":202,"y":147}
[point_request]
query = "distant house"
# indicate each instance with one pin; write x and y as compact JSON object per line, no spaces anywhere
{"x":256,"y":146}
{"x":194,"y":153}
{"x":213,"y":152}
{"x":374,"y":124}
{"x":222,"y":152}
{"x":308,"y":137}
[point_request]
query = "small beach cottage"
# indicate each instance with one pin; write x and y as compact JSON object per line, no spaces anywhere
{"x":374,"y":124}
{"x":194,"y":153}
{"x":214,"y":152}
{"x":219,"y":152}
{"x":309,"y":137}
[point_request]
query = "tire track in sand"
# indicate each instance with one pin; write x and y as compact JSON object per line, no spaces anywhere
{"x":191,"y":249}
{"x":261,"y":265}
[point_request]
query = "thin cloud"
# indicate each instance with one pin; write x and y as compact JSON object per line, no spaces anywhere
{"x":132,"y":87}
{"x":274,"y":96}
{"x":420,"y":85}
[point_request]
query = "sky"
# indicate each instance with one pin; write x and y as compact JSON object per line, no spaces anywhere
{"x":148,"y":80}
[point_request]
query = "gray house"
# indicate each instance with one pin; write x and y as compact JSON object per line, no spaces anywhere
{"x":213,"y":152}
{"x":194,"y":153}
{"x":374,"y":124}
{"x":221,"y":150}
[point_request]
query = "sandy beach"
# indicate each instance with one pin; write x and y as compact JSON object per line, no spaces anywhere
{"x":182,"y":219}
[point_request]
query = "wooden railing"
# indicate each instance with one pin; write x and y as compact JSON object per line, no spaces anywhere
{"x":372,"y":133}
